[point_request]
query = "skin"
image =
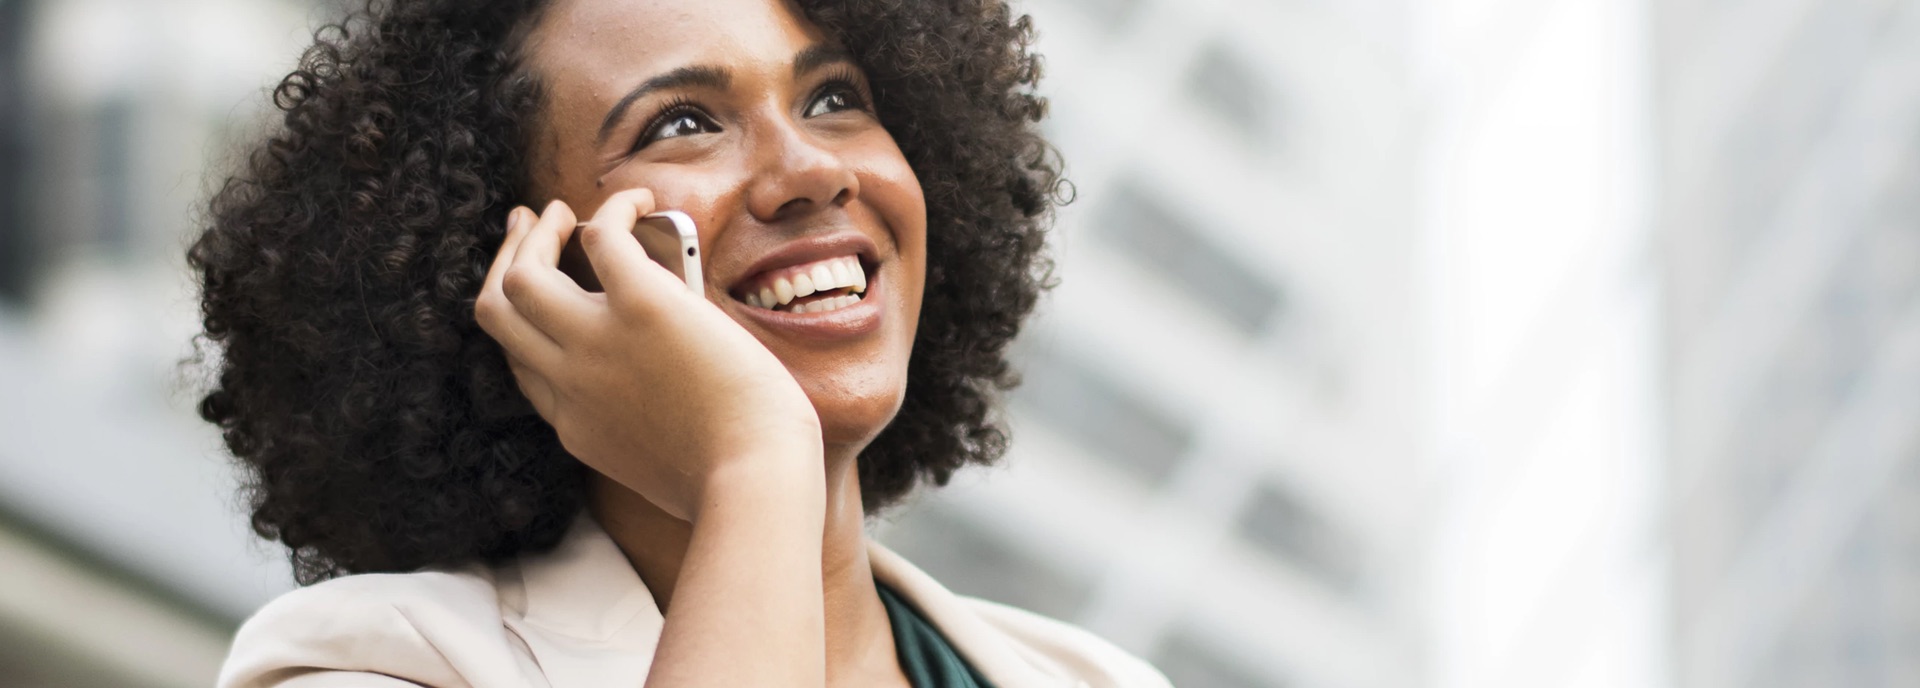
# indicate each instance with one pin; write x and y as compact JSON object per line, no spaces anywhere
{"x":723,"y":447}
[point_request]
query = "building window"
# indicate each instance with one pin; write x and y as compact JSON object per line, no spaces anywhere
{"x":1158,"y":238}
{"x":1287,"y":529}
{"x":16,"y":247}
{"x":1191,"y":662}
{"x":1235,"y":91}
{"x":1104,"y":417}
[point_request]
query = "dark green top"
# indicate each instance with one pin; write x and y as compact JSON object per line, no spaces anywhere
{"x":924,"y":654}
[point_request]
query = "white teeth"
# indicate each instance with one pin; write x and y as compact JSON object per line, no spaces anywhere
{"x":827,"y":275}
{"x":843,"y":273}
{"x":827,"y":304}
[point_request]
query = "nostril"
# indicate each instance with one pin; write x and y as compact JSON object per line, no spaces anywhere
{"x":792,"y":207}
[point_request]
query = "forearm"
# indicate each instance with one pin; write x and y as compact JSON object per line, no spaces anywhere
{"x":747,"y":606}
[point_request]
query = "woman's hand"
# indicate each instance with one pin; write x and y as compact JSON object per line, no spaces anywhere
{"x":647,"y":383}
{"x":658,"y":390}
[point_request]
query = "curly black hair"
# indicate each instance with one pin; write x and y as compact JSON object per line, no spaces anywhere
{"x":379,"y":427}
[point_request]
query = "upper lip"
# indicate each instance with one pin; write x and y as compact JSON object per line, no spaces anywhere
{"x":809,"y":249}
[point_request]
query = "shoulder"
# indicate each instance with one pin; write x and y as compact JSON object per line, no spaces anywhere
{"x":433,"y":628}
{"x":1072,"y":650}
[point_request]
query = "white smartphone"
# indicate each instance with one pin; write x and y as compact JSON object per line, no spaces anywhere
{"x":669,"y":239}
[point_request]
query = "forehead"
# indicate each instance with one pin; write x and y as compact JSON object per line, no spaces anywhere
{"x":614,"y":44}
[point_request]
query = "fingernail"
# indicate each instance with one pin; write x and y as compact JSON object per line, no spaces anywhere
{"x":515,"y":218}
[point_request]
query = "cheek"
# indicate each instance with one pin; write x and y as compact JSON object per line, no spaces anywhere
{"x":911,"y":279}
{"x":890,"y":188}
{"x":889,"y":185}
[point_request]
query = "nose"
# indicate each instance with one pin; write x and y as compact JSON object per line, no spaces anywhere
{"x":796,"y":174}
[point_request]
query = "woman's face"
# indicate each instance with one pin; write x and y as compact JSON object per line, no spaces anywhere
{"x":741,"y":114}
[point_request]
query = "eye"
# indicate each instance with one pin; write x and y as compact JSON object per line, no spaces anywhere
{"x":834,"y":97}
{"x":676,"y":121}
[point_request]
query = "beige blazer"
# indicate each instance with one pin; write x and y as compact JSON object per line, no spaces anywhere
{"x":579,"y":617}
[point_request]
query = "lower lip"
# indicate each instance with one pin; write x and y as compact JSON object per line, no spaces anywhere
{"x":861,"y":318}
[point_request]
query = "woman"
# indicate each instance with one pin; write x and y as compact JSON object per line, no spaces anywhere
{"x":533,"y":484}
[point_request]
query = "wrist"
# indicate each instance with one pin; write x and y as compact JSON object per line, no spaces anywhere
{"x":787,"y":484}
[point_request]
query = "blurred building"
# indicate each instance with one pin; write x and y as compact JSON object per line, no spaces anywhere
{"x":123,"y":559}
{"x":1216,"y":459}
{"x":1790,"y":179}
{"x":1548,"y":560}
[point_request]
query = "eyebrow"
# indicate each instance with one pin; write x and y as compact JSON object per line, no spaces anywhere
{"x":811,"y":58}
{"x":819,"y":55}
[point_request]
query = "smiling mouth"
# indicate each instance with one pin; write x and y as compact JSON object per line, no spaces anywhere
{"x":820,"y":286}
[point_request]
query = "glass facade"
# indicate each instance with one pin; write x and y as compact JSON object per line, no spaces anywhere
{"x":1790,"y":180}
{"x":1210,"y":392}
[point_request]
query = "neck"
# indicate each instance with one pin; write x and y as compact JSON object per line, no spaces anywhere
{"x":859,"y":640}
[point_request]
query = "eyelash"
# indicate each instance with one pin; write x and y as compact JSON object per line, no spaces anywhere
{"x":671,"y":110}
{"x":843,"y":82}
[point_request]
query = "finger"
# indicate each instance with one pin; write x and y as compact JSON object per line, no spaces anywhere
{"x":518,"y":221}
{"x":506,"y":324}
{"x":495,"y":313}
{"x":545,"y":239}
{"x":548,"y":298}
{"x":617,"y":258}
{"x":622,"y":209}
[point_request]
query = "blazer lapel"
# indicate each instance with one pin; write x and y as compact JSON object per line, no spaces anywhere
{"x":590,"y":622}
{"x":584,"y":614}
{"x":985,"y":647}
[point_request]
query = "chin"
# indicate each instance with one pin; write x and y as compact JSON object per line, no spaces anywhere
{"x":854,"y":406}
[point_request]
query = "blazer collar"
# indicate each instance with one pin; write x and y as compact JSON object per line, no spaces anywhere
{"x":585,"y":587}
{"x":581,"y":610}
{"x":987,"y":648}
{"x":585,"y":614}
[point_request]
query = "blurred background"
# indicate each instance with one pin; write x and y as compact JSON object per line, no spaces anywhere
{"x":1438,"y":344}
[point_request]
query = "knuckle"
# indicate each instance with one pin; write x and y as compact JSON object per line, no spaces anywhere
{"x":486,"y":309}
{"x":517,"y":281}
{"x":593,"y":235}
